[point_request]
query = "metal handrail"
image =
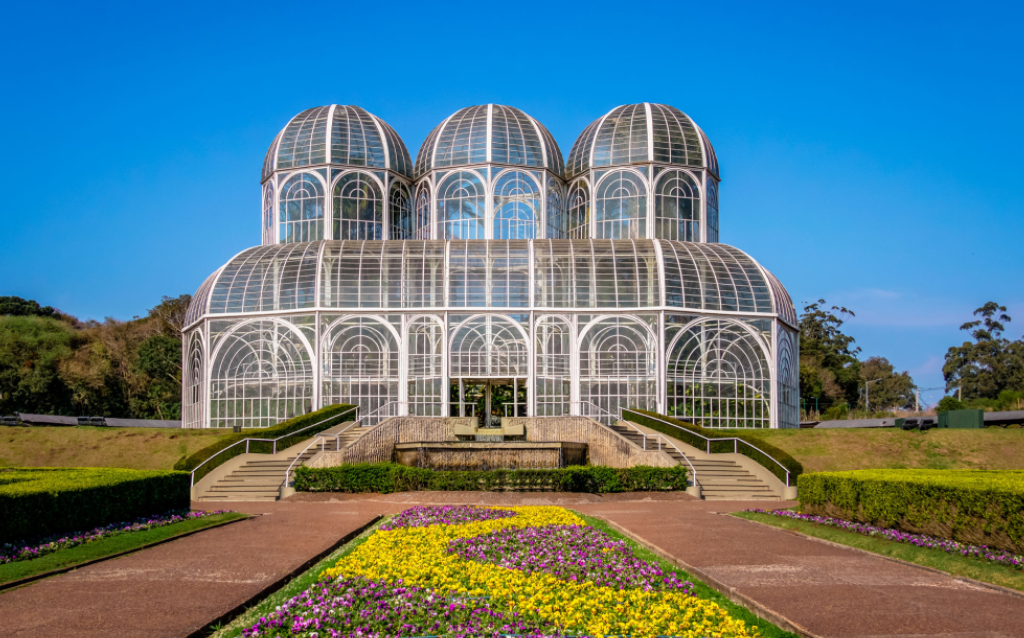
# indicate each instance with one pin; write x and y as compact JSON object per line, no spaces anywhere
{"x":374,"y":414}
{"x":708,"y":441}
{"x":274,"y":441}
{"x":661,"y":438}
{"x":323,"y":444}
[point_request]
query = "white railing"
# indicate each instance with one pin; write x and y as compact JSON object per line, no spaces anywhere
{"x":322,"y":440}
{"x":663,"y":440}
{"x":247,"y":441}
{"x":385,"y":411}
{"x":708,"y":441}
{"x":595,"y":412}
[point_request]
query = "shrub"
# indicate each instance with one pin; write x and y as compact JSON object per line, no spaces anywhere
{"x":386,"y":478}
{"x":38,"y":502}
{"x":687,"y":433}
{"x":328,"y":417}
{"x":948,"y":404}
{"x":973,"y":506}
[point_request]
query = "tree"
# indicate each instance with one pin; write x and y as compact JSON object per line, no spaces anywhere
{"x":18,"y":307}
{"x":170,"y":312}
{"x":32,"y":350}
{"x":159,"y":359}
{"x":991,"y":364}
{"x":829,"y":368}
{"x":892,"y":390}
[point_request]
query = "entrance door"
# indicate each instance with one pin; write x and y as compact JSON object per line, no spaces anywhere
{"x":488,"y":399}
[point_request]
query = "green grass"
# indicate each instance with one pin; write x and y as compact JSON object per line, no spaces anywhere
{"x":106,"y":547}
{"x":295,"y":587}
{"x":701,"y":590}
{"x":935,"y":558}
{"x":834,"y":450}
{"x":87,"y":446}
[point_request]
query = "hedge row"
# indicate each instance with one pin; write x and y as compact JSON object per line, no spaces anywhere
{"x":972,"y":506}
{"x":686,"y":432}
{"x":330,"y":416}
{"x":386,"y":478}
{"x":37,"y":502}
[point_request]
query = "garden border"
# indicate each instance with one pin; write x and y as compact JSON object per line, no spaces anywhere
{"x":62,"y":570}
{"x":966,"y":579}
{"x":231,"y":614}
{"x":740,"y":599}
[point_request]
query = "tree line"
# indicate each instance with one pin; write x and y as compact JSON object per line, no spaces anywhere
{"x":54,"y":363}
{"x":987,"y":372}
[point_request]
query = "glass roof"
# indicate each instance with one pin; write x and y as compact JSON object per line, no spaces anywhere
{"x":337,"y":134}
{"x":489,"y":133}
{"x":642,"y":132}
{"x":586,"y":273}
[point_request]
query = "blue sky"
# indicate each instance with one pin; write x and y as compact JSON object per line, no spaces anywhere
{"x":870,"y":154}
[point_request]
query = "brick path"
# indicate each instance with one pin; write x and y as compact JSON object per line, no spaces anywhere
{"x":180,"y":587}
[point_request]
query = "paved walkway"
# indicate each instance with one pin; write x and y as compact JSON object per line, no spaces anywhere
{"x":180,"y":587}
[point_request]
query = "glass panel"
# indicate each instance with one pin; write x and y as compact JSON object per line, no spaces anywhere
{"x":621,"y":207}
{"x":304,"y":140}
{"x":554,"y":356}
{"x":301,"y":209}
{"x":461,"y":203}
{"x":426,"y":348}
{"x":358,"y":207}
{"x":489,"y":346}
{"x":618,"y":366}
{"x":516,"y":206}
{"x":360,"y":364}
{"x":677,"y":207}
{"x":400,"y":212}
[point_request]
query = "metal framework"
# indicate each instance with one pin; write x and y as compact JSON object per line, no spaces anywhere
{"x":384,"y":283}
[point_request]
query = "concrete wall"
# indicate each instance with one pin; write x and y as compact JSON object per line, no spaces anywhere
{"x":604,"y":445}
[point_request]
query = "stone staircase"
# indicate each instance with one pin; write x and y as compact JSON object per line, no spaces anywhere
{"x":261,"y":477}
{"x":720,"y":479}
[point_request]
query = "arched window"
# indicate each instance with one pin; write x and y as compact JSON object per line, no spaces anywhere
{"x":516,"y":206}
{"x":554,"y":366}
{"x":268,"y":214}
{"x":461,"y":200}
{"x":618,"y":366}
{"x":789,"y":380}
{"x":555,"y":212}
{"x":400,"y":211}
{"x":718,"y":376}
{"x":712,"y":211}
{"x":620,"y":207}
{"x":677,"y":207}
{"x":360,"y":364}
{"x":426,"y":354}
{"x":358,"y":208}
{"x":421,"y":223}
{"x":194,"y":395}
{"x":262,"y":374}
{"x":579,"y":211}
{"x":489,"y":346}
{"x":301,"y":209}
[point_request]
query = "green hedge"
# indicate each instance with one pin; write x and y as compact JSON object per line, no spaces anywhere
{"x":386,"y":478}
{"x":331,"y":416}
{"x":686,"y":432}
{"x":38,"y":502}
{"x":973,"y":506}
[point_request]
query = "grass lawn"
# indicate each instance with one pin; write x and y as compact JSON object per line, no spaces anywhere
{"x":293,"y":588}
{"x":106,"y":547}
{"x":767,"y":629}
{"x":935,"y":558}
{"x":86,"y":446}
{"x":834,"y":450}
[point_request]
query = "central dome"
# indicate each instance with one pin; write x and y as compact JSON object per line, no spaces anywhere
{"x":489,"y":134}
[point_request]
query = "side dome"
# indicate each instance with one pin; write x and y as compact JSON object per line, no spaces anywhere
{"x":489,"y":133}
{"x":337,"y":134}
{"x":645,"y":132}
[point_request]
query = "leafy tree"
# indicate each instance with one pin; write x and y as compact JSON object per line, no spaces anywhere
{"x":950,"y":403}
{"x":829,"y":368}
{"x":18,"y":307}
{"x":32,"y":350}
{"x":991,"y":363}
{"x":159,"y":359}
{"x":893,"y":390}
{"x":170,"y":312}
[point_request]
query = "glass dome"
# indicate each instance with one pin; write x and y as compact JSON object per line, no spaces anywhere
{"x":489,"y":133}
{"x":639,"y":133}
{"x":337,"y":134}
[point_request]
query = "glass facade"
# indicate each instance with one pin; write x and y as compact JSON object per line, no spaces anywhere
{"x":585,"y":288}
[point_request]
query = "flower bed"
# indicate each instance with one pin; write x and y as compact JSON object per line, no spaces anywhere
{"x":13,"y":552}
{"x":524,"y":571}
{"x":981,"y":552}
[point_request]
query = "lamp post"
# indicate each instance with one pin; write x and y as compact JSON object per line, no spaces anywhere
{"x":867,"y":394}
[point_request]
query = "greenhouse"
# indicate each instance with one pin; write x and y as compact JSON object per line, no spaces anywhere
{"x":491,"y":279}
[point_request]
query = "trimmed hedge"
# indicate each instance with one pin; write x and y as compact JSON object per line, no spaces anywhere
{"x":980,"y":507}
{"x":37,"y":502}
{"x":386,"y":478}
{"x":331,"y":416}
{"x":685,"y":432}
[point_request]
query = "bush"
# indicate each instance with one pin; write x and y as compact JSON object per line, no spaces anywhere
{"x":386,"y":478}
{"x":329,"y":417}
{"x":973,"y":506}
{"x":38,"y":502}
{"x":948,"y":404}
{"x":686,"y":432}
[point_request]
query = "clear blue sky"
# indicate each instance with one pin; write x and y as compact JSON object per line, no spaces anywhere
{"x":871,"y":154}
